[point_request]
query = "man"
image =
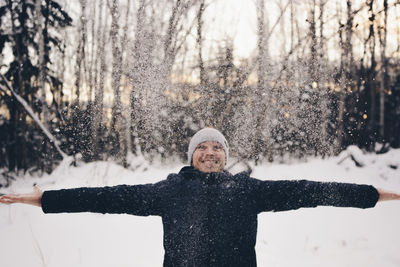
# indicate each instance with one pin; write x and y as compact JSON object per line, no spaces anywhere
{"x":209,"y":215}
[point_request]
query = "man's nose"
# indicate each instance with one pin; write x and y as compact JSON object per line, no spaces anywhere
{"x":209,"y":151}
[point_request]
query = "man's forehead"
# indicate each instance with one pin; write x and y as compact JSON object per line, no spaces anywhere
{"x":209,"y":143}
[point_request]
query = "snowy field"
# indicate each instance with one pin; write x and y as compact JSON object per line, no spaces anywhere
{"x":324,"y":236}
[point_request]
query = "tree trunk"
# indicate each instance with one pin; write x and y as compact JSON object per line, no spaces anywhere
{"x":325,"y":146}
{"x":80,"y":51}
{"x":262,"y":95}
{"x":200,"y":43}
{"x":371,"y":129}
{"x":17,"y":154}
{"x":42,"y":63}
{"x":117,"y":121}
{"x":99,"y":86}
{"x":92,"y":66}
{"x":126,"y":127}
{"x":116,"y":63}
{"x":345,"y":71}
{"x":384,"y":81}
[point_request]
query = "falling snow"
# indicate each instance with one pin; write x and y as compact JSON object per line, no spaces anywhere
{"x":306,"y":237}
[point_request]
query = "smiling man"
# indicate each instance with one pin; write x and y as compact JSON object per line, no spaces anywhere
{"x":209,"y":216}
{"x":209,"y":157}
{"x":208,"y":151}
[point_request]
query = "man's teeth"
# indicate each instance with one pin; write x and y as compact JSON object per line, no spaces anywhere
{"x":213,"y":161}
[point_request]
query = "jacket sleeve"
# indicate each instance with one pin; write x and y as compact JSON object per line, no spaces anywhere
{"x":289,"y":195}
{"x":142,"y":200}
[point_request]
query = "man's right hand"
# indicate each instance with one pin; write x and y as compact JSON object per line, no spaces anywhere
{"x":34,"y":198}
{"x":387,"y":195}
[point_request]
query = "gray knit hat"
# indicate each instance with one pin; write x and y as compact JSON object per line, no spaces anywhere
{"x":207,"y":134}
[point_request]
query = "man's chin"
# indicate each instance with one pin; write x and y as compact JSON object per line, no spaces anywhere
{"x":210,"y":168}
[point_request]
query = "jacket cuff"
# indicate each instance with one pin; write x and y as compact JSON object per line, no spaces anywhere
{"x":371,"y":197}
{"x":51,"y":201}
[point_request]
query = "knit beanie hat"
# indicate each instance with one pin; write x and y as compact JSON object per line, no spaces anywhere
{"x":207,"y":134}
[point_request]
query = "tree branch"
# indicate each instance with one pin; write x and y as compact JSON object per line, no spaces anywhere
{"x":32,"y":114}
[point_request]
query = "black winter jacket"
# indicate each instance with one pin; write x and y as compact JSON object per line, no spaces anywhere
{"x":209,"y":219}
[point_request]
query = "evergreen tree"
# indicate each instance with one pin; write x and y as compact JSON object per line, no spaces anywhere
{"x":30,"y":58}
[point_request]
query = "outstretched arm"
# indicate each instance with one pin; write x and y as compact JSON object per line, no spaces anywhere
{"x":140,"y":200}
{"x":288,"y":195}
{"x":34,"y":198}
{"x":387,"y":195}
{"x":295,"y":194}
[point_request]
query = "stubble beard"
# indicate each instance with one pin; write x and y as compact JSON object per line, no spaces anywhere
{"x":211,"y":165}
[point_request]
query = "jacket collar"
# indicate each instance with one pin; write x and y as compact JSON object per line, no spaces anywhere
{"x":189,"y":172}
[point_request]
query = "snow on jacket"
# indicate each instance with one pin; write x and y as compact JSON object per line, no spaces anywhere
{"x":209,"y":219}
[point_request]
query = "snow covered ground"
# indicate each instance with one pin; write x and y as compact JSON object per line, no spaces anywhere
{"x":324,"y":236}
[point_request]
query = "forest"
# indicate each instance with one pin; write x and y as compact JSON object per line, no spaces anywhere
{"x":99,"y":80}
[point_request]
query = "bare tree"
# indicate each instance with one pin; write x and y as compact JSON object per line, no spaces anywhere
{"x":118,"y":122}
{"x":265,"y":97}
{"x":384,"y":80}
{"x":262,"y":94}
{"x":345,"y":46}
{"x":92,"y":68}
{"x":159,"y":37}
{"x":42,"y":66}
{"x":140,"y":67}
{"x":99,"y":78}
{"x":313,"y":101}
{"x":126,"y":125}
{"x":371,"y":76}
{"x":80,"y":50}
{"x":199,"y":42}
{"x":116,"y":62}
{"x":325,"y":146}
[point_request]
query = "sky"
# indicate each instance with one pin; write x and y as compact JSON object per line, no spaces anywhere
{"x":234,"y":18}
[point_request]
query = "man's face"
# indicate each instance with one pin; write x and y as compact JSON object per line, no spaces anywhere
{"x":209,"y":156}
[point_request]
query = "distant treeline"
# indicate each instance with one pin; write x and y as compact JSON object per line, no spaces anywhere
{"x":119,"y":79}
